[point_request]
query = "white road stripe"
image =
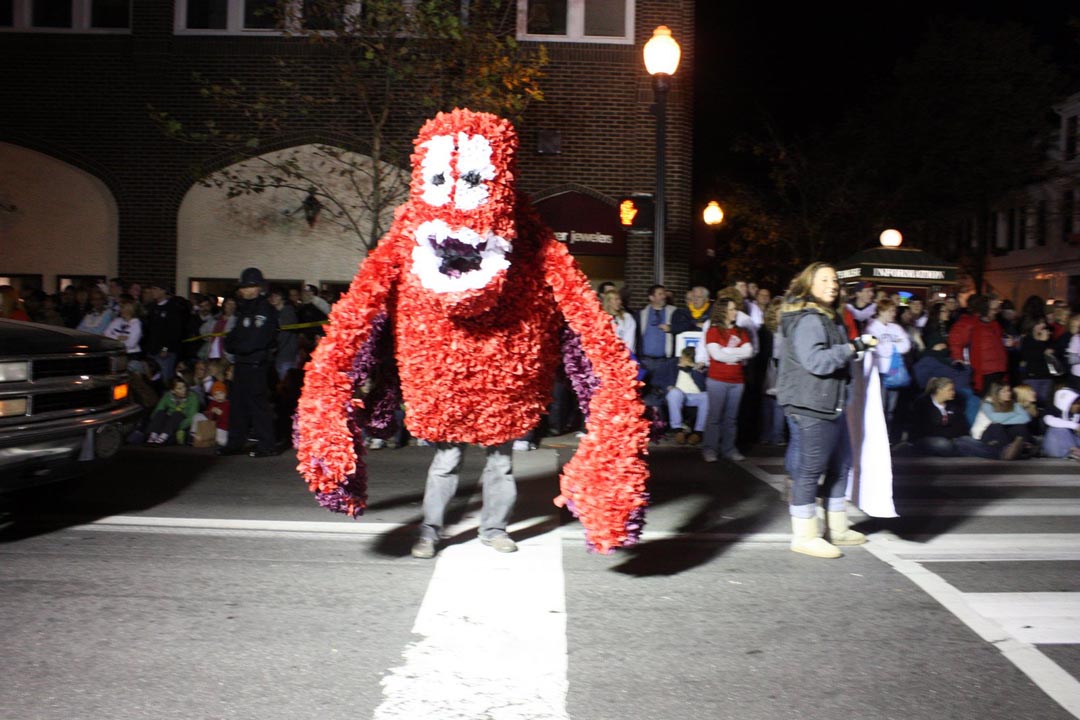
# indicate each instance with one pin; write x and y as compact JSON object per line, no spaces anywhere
{"x":1062,"y":687}
{"x":232,"y":526}
{"x":973,"y":547}
{"x":1039,"y":618}
{"x":1010,"y":507}
{"x":991,"y":481}
{"x":492,"y":639}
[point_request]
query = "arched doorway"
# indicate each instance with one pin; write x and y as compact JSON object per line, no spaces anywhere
{"x":56,"y":221}
{"x":292,"y":235}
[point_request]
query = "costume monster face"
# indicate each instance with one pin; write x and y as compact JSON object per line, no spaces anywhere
{"x":462,"y":204}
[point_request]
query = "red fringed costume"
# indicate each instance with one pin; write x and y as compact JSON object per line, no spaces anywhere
{"x":475,"y":300}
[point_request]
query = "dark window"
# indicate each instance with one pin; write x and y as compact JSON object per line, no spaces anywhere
{"x":1068,"y":209}
{"x":1040,"y":224}
{"x":260,"y":14}
{"x":605,"y":18}
{"x":1010,"y":229}
{"x":110,"y":14}
{"x":51,"y":13}
{"x":324,"y":14}
{"x":207,"y":14}
{"x":546,"y":17}
{"x":7,"y":13}
{"x":1021,"y":228}
{"x":1070,"y":137}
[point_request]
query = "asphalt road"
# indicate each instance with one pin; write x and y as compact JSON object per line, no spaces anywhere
{"x":181,"y":585}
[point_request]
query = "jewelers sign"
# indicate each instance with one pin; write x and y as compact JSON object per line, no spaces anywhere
{"x":928,"y":276}
{"x":587,"y":225}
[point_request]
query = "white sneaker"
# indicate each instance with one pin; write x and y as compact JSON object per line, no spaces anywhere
{"x":709,"y":456}
{"x":735,"y":456}
{"x":376,"y":443}
{"x":523,"y":446}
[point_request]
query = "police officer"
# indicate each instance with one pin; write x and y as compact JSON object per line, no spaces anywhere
{"x":251,"y":341}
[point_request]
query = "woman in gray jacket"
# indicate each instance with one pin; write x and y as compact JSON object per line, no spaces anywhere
{"x":812,"y":388}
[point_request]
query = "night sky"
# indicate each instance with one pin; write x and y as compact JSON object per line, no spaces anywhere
{"x":805,"y":65}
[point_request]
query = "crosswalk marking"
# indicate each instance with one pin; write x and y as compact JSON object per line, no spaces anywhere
{"x":1039,"y":618}
{"x":492,"y":639}
{"x":983,"y":547}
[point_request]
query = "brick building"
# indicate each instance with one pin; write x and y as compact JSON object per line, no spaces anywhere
{"x":91,"y":187}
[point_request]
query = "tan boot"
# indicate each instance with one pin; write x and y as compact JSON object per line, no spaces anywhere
{"x":806,"y":539}
{"x":840,"y":533}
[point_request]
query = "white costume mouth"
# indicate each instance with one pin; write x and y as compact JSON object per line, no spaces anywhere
{"x":453,"y":260}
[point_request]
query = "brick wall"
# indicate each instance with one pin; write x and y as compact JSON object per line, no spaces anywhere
{"x":83,"y":99}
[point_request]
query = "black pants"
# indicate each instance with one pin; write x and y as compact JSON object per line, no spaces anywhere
{"x":249,"y":408}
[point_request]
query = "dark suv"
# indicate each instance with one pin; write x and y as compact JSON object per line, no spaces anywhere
{"x":63,"y":402}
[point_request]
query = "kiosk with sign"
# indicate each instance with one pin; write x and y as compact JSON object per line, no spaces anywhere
{"x":909,"y":271}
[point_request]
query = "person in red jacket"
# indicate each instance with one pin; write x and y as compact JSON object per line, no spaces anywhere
{"x":977,"y":333}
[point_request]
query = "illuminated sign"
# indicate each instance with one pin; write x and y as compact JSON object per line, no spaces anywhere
{"x":849,"y":273}
{"x":909,"y":273}
{"x":627,"y":212}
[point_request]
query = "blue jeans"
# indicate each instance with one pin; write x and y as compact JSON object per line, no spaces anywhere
{"x":497,"y":483}
{"x":723,"y":415}
{"x":676,"y":399}
{"x":1057,"y":442}
{"x":963,"y":446}
{"x":772,"y":420}
{"x":791,"y":455}
{"x":823,"y":449}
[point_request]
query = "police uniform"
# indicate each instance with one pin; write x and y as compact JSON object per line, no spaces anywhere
{"x":251,"y":341}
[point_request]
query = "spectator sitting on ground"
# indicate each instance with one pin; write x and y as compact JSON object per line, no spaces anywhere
{"x":1002,"y":422}
{"x":686,"y":387}
{"x":9,"y":305}
{"x":172,"y":417}
{"x":939,"y":425}
{"x":217,"y":410}
{"x":1062,"y":438}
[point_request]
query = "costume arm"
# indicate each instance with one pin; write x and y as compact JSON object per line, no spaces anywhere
{"x":328,"y":448}
{"x":604,"y":483}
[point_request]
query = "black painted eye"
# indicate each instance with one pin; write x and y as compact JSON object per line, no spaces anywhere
{"x":471,"y":178}
{"x":438,"y":180}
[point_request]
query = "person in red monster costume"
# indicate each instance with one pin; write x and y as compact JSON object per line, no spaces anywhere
{"x":461,"y":312}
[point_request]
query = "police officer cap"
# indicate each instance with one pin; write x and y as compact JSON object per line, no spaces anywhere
{"x":251,"y":277}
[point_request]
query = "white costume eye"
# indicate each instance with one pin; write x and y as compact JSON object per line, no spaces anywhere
{"x":436,"y":171}
{"x":473,"y":169}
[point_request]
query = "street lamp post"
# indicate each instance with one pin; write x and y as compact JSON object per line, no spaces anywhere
{"x":662,"y":55}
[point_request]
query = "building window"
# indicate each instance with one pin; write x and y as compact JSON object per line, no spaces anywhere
{"x":1071,"y":137}
{"x":65,"y":15}
{"x":1068,"y":211}
{"x":1040,"y":224}
{"x":601,"y":21}
{"x":238,"y":17}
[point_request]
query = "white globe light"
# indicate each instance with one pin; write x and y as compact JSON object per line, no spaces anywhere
{"x":891,"y":238}
{"x":662,"y":53}
{"x":714,"y":214}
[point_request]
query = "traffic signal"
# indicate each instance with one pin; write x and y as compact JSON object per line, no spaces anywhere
{"x":636,"y":212}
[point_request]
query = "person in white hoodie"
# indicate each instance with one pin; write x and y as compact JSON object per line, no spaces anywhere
{"x":1062,"y":426}
{"x":892,"y":339}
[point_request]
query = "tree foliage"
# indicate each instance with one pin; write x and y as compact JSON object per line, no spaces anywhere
{"x":964,"y":122}
{"x":367,"y":76}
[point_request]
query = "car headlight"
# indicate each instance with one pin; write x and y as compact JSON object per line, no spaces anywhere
{"x":118,"y":363}
{"x":12,"y":407}
{"x":14,"y":371}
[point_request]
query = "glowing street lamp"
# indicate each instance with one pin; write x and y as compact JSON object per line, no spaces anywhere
{"x":891,"y":238}
{"x":662,"y":55}
{"x":714,"y":214}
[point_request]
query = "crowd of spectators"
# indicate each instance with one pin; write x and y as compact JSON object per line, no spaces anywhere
{"x":182,"y":372}
{"x":982,"y":379}
{"x":979,"y":379}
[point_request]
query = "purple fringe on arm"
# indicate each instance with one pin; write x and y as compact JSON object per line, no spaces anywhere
{"x":375,"y":362}
{"x":579,"y":370}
